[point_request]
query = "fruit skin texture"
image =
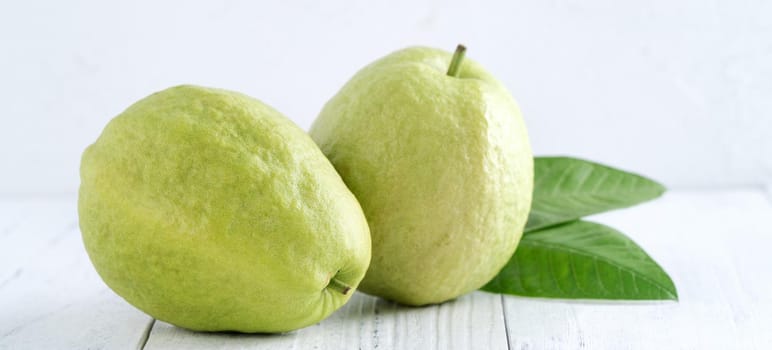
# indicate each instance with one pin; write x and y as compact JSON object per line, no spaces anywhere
{"x":442,"y":167}
{"x":209,"y":210}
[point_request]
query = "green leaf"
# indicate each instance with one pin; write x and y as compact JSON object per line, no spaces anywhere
{"x":582,"y":260}
{"x":567,"y":189}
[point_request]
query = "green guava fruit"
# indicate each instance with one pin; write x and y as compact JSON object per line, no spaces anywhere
{"x":440,"y":161}
{"x":209,"y":210}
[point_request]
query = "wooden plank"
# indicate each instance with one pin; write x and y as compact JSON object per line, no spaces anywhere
{"x":715,"y":247}
{"x":474,"y":321}
{"x":50,"y":295}
{"x":100,"y":321}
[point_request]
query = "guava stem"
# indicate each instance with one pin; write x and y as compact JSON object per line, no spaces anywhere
{"x":455,"y":62}
{"x":339,"y":286}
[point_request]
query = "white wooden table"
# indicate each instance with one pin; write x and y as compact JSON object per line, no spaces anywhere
{"x":716,"y":245}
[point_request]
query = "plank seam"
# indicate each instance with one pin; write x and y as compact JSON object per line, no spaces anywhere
{"x":506,"y":325}
{"x":146,"y":334}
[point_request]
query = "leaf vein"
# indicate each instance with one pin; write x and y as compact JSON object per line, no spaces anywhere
{"x":596,"y":257}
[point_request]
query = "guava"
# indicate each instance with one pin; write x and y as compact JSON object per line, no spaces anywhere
{"x":436,"y":151}
{"x":210,"y":210}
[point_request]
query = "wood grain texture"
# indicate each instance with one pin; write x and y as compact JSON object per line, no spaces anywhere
{"x":50,"y":295}
{"x":474,"y":321}
{"x":714,"y":245}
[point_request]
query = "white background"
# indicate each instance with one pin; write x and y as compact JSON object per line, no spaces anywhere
{"x":677,"y":90}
